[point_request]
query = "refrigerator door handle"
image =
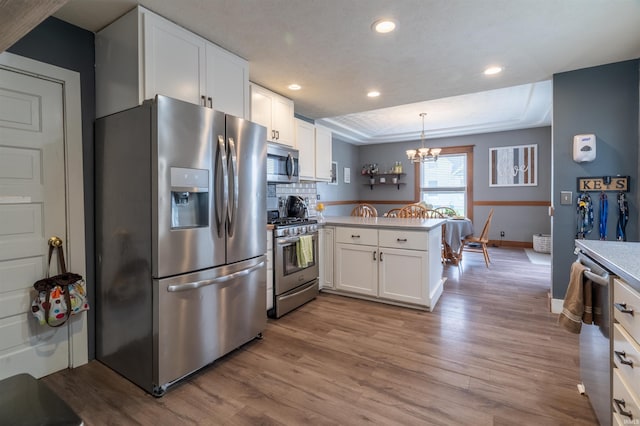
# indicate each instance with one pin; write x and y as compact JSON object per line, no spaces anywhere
{"x":204,"y":283}
{"x":232,"y":207}
{"x":221,"y":187}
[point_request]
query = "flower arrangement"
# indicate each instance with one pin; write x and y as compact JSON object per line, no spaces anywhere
{"x":370,"y":169}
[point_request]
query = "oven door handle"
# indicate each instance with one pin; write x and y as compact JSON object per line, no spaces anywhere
{"x":290,"y":240}
{"x":203,"y":283}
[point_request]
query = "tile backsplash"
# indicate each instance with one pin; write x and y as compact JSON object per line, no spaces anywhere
{"x":306,"y":190}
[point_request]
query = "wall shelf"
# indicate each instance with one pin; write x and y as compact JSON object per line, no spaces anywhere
{"x":377,"y":176}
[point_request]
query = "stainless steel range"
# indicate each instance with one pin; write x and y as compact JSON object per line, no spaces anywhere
{"x":294,"y":284}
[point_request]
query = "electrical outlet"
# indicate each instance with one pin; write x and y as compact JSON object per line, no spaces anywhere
{"x":317,"y":196}
{"x":501,"y":233}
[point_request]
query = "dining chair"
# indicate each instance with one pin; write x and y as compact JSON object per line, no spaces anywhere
{"x":364,"y":210}
{"x":392,"y":212}
{"x":412,"y":210}
{"x":482,"y":240}
{"x":446,"y":211}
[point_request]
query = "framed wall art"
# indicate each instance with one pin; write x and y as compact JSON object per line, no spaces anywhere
{"x":334,"y":173}
{"x":513,"y":165}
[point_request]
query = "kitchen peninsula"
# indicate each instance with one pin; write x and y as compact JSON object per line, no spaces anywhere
{"x":388,"y":260}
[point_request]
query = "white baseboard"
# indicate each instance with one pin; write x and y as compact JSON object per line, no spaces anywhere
{"x":556,"y":305}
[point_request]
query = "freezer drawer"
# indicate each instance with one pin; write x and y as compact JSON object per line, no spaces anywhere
{"x":202,"y":316}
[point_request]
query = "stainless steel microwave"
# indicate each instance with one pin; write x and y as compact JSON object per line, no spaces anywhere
{"x":282,"y":163}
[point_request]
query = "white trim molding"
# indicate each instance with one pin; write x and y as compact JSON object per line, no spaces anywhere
{"x":556,"y":305}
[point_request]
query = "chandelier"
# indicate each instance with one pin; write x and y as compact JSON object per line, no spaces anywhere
{"x":423,"y":154}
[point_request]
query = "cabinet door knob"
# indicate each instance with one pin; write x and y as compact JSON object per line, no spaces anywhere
{"x":621,"y":405}
{"x":622,"y":307}
{"x":374,"y":255}
{"x":210,"y":102}
{"x":622,"y":356}
{"x":380,"y":256}
{"x":204,"y":100}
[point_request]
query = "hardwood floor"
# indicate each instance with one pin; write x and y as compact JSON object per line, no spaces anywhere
{"x":490,"y":354}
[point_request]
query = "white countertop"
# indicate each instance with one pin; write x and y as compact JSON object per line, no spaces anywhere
{"x":383,"y":222}
{"x":621,"y":258}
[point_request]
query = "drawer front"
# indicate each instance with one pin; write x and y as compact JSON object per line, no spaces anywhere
{"x":624,"y":403}
{"x":363,"y":236}
{"x":410,"y":240}
{"x":626,"y":357}
{"x":626,"y":307}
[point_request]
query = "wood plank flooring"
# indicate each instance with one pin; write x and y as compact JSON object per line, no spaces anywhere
{"x":490,"y":354}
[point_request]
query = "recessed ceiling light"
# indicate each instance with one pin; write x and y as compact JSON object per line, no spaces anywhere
{"x":373,"y":94}
{"x":294,"y":86}
{"x":383,"y":26}
{"x":493,"y":70}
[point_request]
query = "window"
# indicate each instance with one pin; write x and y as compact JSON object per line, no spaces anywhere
{"x":447,"y":182}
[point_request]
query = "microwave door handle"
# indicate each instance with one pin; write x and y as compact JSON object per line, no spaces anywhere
{"x":221,"y":187}
{"x":232,"y":208}
{"x":290,"y":161}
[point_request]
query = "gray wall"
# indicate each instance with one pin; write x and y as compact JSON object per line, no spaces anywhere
{"x":601,"y":100}
{"x":518,"y":223}
{"x":58,"y":43}
{"x":346,"y":155}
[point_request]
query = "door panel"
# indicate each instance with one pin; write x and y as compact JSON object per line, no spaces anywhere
{"x":245,"y":229}
{"x":183,"y":143}
{"x":32,"y":208}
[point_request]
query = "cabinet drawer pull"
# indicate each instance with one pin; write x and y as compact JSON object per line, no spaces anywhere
{"x":374,"y":255}
{"x":380,"y":256}
{"x":401,"y":240}
{"x":622,"y":307}
{"x":620,"y":405}
{"x":355,"y":236}
{"x":210,"y":102}
{"x":622,"y":356}
{"x":204,"y":100}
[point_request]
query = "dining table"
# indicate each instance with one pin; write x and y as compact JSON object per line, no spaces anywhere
{"x":455,"y":231}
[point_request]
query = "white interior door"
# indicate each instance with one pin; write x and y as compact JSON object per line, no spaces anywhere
{"x":32,"y":208}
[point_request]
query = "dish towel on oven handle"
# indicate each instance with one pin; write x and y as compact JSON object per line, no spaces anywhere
{"x":304,"y":251}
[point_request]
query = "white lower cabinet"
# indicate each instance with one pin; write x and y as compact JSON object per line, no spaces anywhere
{"x":387,"y":264}
{"x":326,"y":242}
{"x":402,"y":274}
{"x":269,"y":270}
{"x":626,"y":353}
{"x":356,"y":268}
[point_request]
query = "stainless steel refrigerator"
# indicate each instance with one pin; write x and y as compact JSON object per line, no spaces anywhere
{"x":180,"y":239}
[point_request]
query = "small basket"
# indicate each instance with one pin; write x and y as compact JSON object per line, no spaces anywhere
{"x":542,"y":243}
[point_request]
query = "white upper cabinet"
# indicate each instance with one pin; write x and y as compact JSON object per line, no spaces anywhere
{"x":306,"y":144}
{"x":323,"y":153}
{"x":314,"y":144}
{"x":275,"y":112}
{"x":143,"y":54}
{"x":228,"y":81}
{"x":174,"y":61}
